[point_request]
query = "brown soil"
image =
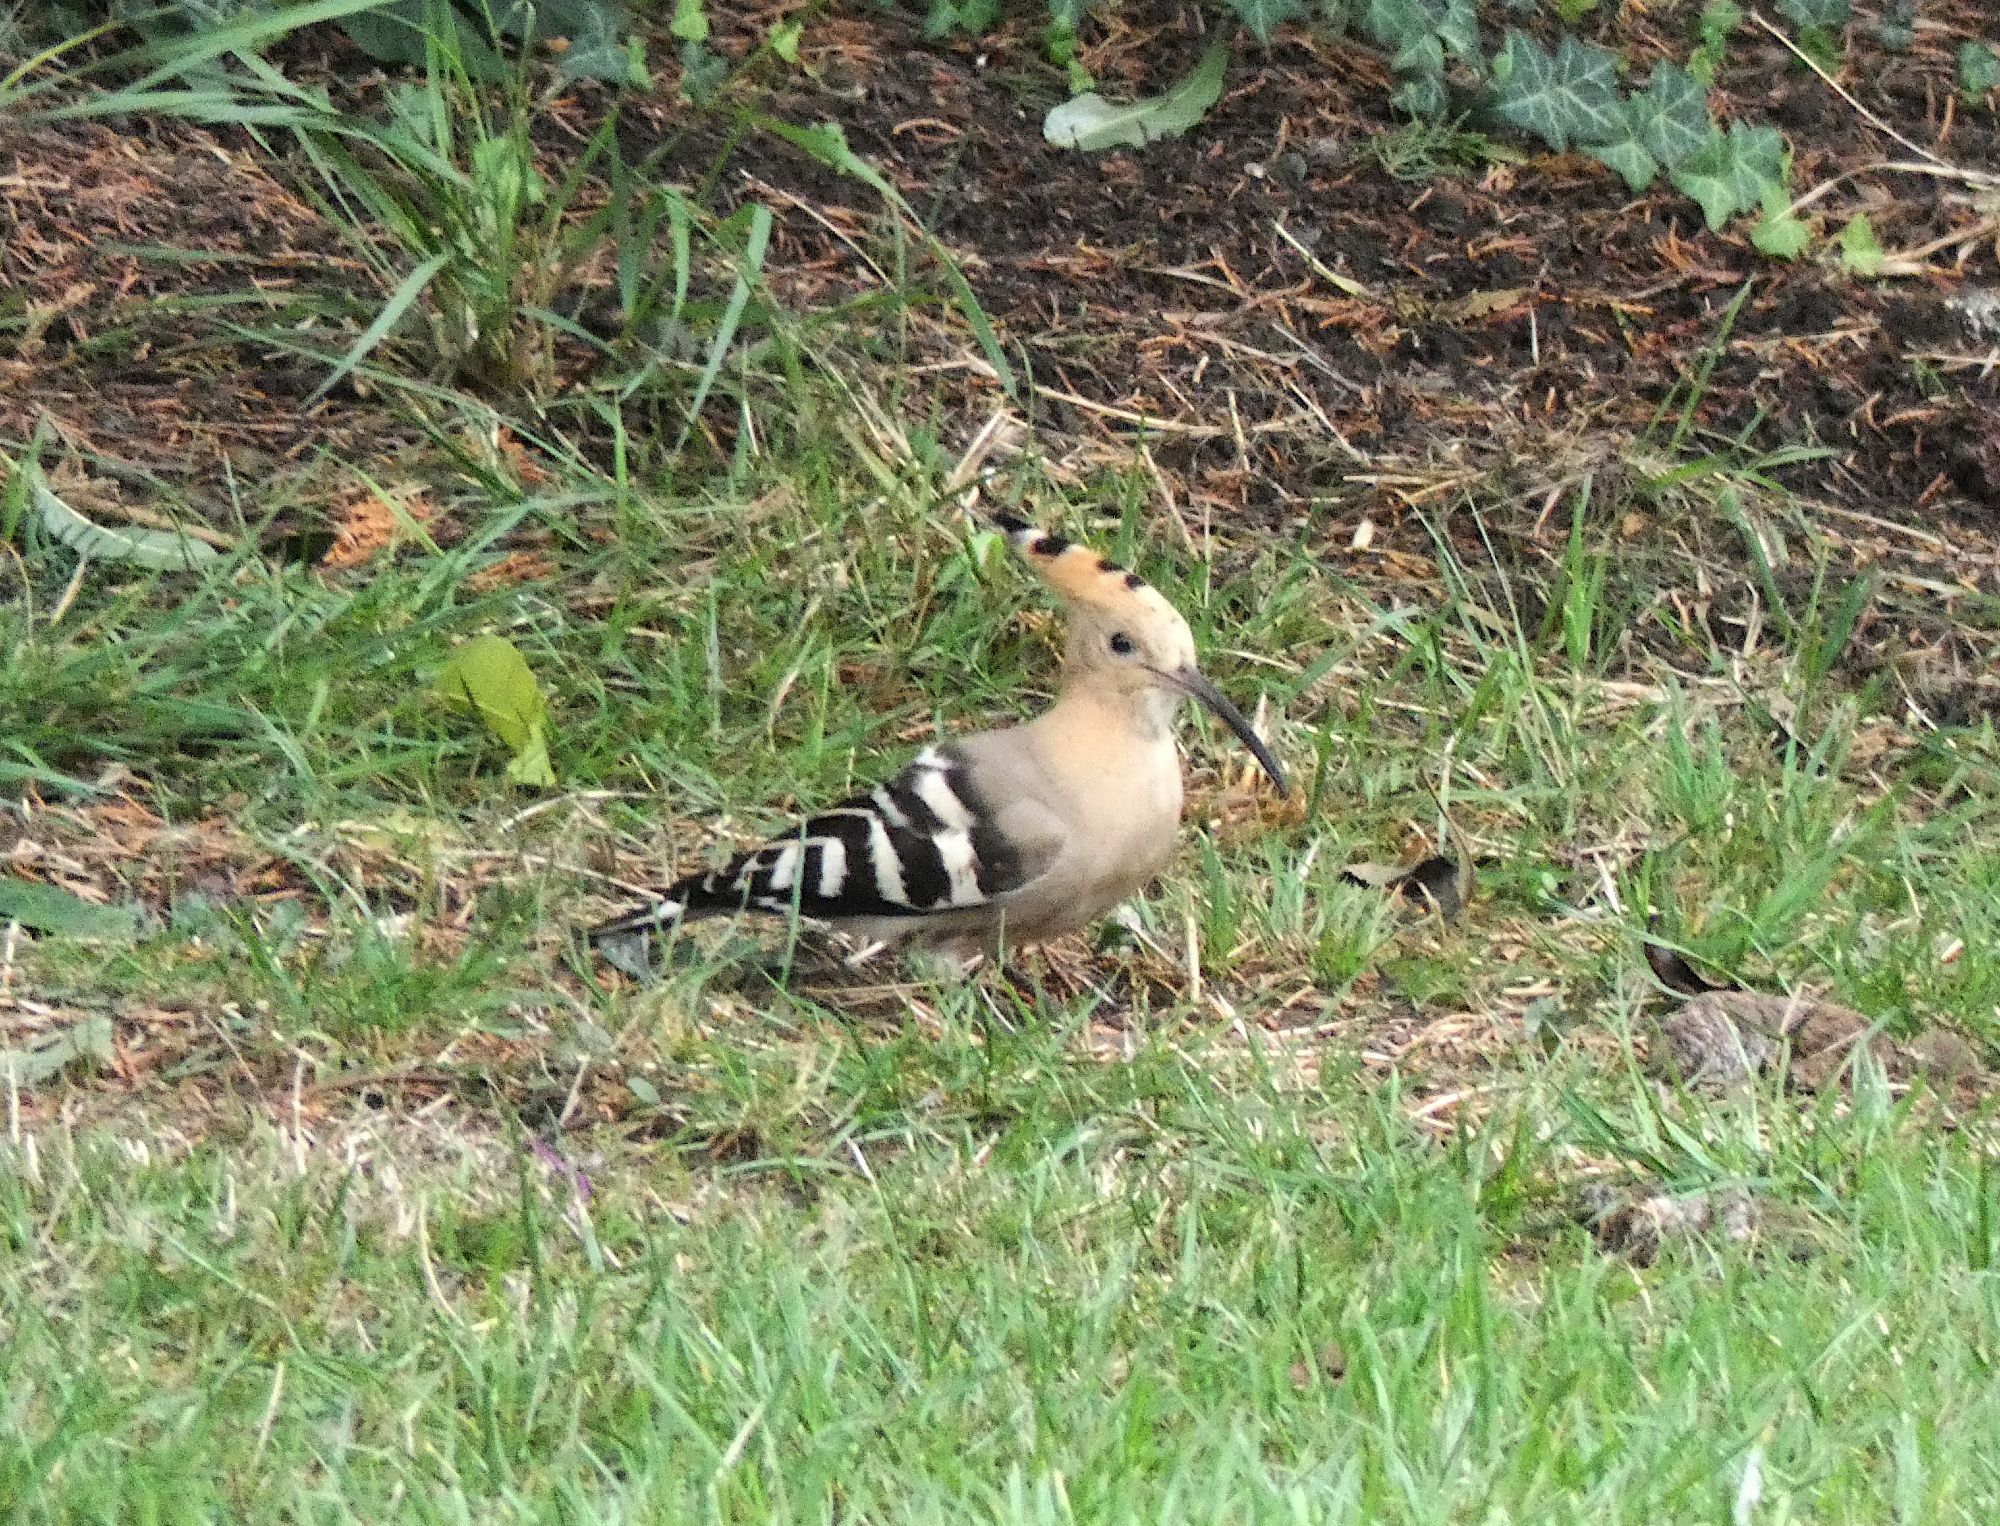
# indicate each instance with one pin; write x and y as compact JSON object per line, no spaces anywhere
{"x":1531,"y":317}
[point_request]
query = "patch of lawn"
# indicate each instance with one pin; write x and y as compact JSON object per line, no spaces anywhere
{"x":1266,"y":1204}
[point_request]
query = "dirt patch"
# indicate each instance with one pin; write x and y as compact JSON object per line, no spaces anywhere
{"x":1486,"y":317}
{"x":1494,"y":309}
{"x":125,"y":255}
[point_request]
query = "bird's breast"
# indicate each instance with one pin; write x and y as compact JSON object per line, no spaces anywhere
{"x":1131,"y":815}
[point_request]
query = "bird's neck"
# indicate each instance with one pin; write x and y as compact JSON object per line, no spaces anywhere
{"x":1114,"y":750}
{"x":1094,"y":716}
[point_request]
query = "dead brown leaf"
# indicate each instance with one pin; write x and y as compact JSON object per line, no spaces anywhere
{"x":368,"y":526}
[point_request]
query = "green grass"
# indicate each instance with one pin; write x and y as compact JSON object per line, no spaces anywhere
{"x":1070,"y":1292}
{"x":1265,"y":1208}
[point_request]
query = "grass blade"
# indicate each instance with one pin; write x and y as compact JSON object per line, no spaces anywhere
{"x":732,"y":316}
{"x":392,"y":312}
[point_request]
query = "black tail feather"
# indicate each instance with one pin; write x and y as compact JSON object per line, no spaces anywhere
{"x":654,"y":919}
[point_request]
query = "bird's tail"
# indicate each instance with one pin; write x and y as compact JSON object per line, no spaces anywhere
{"x":651,"y":922}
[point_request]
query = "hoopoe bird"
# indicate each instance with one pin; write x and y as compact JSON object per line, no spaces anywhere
{"x":1009,"y":837}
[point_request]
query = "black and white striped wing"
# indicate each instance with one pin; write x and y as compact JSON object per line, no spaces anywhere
{"x":926,"y":843}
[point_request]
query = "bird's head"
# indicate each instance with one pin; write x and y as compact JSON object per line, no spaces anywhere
{"x":1123,"y":635}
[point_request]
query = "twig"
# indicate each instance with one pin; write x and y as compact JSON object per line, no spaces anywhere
{"x":1900,"y":166}
{"x":1944,"y":166}
{"x":1325,"y":272}
{"x":764,"y":188}
{"x":1925,"y":251}
{"x":1167,"y":426}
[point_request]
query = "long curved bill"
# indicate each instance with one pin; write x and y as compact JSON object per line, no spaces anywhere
{"x":1197,"y":684}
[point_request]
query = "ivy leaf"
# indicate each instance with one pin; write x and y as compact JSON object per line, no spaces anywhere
{"x":399,"y":31}
{"x":1458,"y":29}
{"x":1732,"y":172}
{"x":948,"y":16}
{"x":1860,"y":251}
{"x":1422,"y":57}
{"x":1422,"y":96}
{"x":1263,"y":16}
{"x":1661,"y":125}
{"x":703,"y":73}
{"x":1630,"y":158}
{"x":1978,"y":71}
{"x":1823,"y":15}
{"x":601,"y":44}
{"x":490,"y":676}
{"x":1779,"y":233}
{"x":1670,"y":116}
{"x":1572,"y":96}
{"x":1897,"y":30}
{"x":1091,"y":123}
{"x":1395,"y":24}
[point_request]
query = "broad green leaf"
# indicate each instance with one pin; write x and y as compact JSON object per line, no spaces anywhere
{"x":48,"y":909}
{"x":1422,"y":57}
{"x":1093,"y":124}
{"x":1860,"y":252}
{"x":531,"y":764}
{"x":602,"y":45}
{"x":159,"y":550}
{"x":395,"y":34}
{"x":1704,"y":175}
{"x":643,"y":1089}
{"x":1897,"y":30}
{"x":490,"y":674}
{"x":400,"y":33}
{"x":1661,"y":125}
{"x":1263,"y":17}
{"x":1394,"y":24}
{"x":597,"y":32}
{"x":948,"y":16}
{"x":1978,"y":70}
{"x":1778,"y":232}
{"x":1733,"y":171}
{"x":1670,"y":116}
{"x":1571,"y":97}
{"x":703,"y":73}
{"x":88,"y":1038}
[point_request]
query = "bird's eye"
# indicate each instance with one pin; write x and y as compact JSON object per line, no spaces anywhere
{"x":1121,"y":644}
